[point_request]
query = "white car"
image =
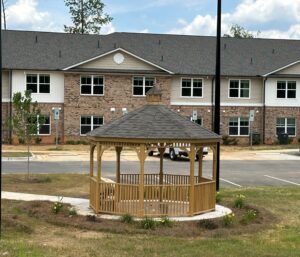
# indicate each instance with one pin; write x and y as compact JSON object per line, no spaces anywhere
{"x":175,"y":152}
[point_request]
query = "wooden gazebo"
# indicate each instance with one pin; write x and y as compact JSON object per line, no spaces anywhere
{"x":152,"y":194}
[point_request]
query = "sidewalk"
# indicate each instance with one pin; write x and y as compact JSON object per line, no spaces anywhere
{"x":82,"y":206}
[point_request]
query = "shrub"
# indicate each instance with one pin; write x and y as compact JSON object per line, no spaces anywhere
{"x":37,"y":140}
{"x":91,"y":218}
{"x":72,"y":211}
{"x":248,"y":216}
{"x":239,"y":201}
{"x":229,"y":141}
{"x":57,"y":206}
{"x":165,"y":221}
{"x":148,"y":223}
{"x":228,"y":219}
{"x":126,"y":218}
{"x":218,"y":197}
{"x":207,"y":224}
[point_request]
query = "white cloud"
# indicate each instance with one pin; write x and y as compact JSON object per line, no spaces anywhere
{"x":250,"y":12}
{"x":108,"y":29}
{"x":26,"y":12}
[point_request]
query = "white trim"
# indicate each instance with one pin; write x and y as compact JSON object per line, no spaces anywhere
{"x":286,"y":126}
{"x":239,"y":89}
{"x":286,"y":90}
{"x":282,"y":68}
{"x":92,"y":122}
{"x":209,"y":104}
{"x":192,"y":87}
{"x":38,"y":82}
{"x":92,"y":85}
{"x":113,"y":51}
{"x":5,"y":100}
{"x":38,"y":125}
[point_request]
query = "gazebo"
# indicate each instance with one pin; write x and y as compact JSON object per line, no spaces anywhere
{"x":152,"y":126}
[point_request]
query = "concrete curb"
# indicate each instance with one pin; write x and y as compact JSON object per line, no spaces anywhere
{"x":18,"y":159}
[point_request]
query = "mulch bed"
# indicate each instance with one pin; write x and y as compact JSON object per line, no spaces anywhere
{"x":41,"y":210}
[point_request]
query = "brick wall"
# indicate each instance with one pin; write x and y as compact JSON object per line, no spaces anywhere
{"x":272,"y":113}
{"x":5,"y":116}
{"x":117,"y":94}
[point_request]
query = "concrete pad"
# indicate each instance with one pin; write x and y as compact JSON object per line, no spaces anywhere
{"x":82,"y":206}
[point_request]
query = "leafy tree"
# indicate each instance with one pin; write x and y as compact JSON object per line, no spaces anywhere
{"x":25,"y":119}
{"x":238,"y":31}
{"x":87,"y":16}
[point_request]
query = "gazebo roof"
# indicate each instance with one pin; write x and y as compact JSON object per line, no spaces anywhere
{"x":153,"y":121}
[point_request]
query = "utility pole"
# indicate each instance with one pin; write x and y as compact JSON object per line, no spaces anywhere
{"x":1,"y":121}
{"x":218,"y":90}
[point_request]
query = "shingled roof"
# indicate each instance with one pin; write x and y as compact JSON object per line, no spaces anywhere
{"x":185,"y":55}
{"x":155,"y":122}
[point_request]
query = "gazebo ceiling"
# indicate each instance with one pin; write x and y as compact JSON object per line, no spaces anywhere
{"x":153,"y":121}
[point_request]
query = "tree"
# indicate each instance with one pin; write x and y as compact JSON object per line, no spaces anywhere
{"x":25,"y":120}
{"x":3,"y":2}
{"x":87,"y":16}
{"x":238,"y":31}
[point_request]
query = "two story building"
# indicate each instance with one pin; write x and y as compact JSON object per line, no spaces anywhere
{"x":97,"y":78}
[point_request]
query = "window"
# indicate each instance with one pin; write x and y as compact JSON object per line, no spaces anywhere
{"x":89,"y":123}
{"x":239,"y":88}
{"x":141,"y":85}
{"x":286,"y":125}
{"x":238,"y":126}
{"x":42,"y":123}
{"x":91,"y":85}
{"x":286,"y":89}
{"x":191,"y":87}
{"x":38,"y":83}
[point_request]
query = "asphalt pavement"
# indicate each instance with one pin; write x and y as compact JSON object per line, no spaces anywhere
{"x":234,"y":173}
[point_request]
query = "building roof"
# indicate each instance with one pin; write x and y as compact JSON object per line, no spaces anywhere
{"x":185,"y":55}
{"x":154,"y":122}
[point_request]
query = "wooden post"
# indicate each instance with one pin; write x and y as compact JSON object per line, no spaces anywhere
{"x":118,"y":174}
{"x":192,"y":156}
{"x":92,"y":149}
{"x":142,"y":157}
{"x":99,"y":156}
{"x":200,"y":163}
{"x":161,"y":171}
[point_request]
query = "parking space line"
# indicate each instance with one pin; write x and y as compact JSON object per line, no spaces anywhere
{"x":287,"y":181}
{"x":225,"y":180}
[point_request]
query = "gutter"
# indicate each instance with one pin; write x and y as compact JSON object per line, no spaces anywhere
{"x":264,"y":109}
{"x":10,"y":105}
{"x":212,"y":101}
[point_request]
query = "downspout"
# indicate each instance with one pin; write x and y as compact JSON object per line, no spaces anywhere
{"x":10,"y":105}
{"x":264,"y":109}
{"x":212,"y":101}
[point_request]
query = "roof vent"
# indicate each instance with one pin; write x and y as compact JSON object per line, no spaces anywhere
{"x":273,"y":51}
{"x":36,"y":39}
{"x":225,"y":46}
{"x":59,"y":53}
{"x":251,"y":60}
{"x":159,"y":42}
{"x":115,"y":45}
{"x":98,"y":43}
{"x":162,"y":58}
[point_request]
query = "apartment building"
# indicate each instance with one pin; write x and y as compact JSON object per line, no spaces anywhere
{"x":95,"y":79}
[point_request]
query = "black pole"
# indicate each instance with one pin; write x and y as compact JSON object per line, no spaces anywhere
{"x":1,"y":119}
{"x":217,"y":90}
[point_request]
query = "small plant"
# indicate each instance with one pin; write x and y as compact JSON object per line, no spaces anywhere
{"x":218,"y":197}
{"x":72,"y":211}
{"x":148,"y":223}
{"x":229,"y":141}
{"x":37,"y":140}
{"x":207,"y":224}
{"x":228,"y":219}
{"x":57,"y":206}
{"x":127,"y":218}
{"x":91,"y":218}
{"x":249,"y":216}
{"x":239,"y":201}
{"x":165,"y":221}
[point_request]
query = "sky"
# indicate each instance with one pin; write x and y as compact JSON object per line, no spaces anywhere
{"x":271,"y":18}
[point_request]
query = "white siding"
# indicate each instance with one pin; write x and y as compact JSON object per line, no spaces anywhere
{"x":56,"y":94}
{"x":129,"y":63}
{"x":271,"y":94}
{"x":295,"y":69}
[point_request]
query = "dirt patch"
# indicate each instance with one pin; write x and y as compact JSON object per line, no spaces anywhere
{"x":92,"y":225}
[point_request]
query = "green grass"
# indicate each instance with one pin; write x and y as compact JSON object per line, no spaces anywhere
{"x":16,"y":154}
{"x":280,"y":239}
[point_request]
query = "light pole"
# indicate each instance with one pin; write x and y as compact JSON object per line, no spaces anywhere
{"x":218,"y":90}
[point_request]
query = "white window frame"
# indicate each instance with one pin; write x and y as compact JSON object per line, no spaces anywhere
{"x":38,"y":82}
{"x":239,"y":89}
{"x":286,"y":125}
{"x":239,"y":127}
{"x":92,"y":84}
{"x":144,"y":84}
{"x":286,"y":89}
{"x":92,"y":122}
{"x":192,"y":87}
{"x":38,"y":125}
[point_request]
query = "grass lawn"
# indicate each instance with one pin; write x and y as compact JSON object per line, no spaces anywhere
{"x":28,"y":231}
{"x":16,"y":154}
